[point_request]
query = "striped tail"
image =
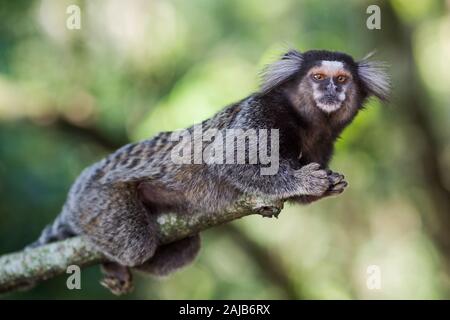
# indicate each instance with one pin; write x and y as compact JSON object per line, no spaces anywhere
{"x":58,"y":230}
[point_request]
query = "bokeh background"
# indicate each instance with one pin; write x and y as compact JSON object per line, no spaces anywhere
{"x":69,"y":97}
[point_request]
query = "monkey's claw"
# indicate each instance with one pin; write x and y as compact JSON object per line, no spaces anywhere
{"x":269,"y":212}
{"x":335,"y":177}
{"x":338,"y":188}
{"x":337,"y":183}
{"x":116,"y":286}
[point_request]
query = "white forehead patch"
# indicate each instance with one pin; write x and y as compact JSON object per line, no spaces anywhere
{"x":332,"y":66}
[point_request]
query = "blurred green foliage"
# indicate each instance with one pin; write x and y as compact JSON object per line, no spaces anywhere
{"x":67,"y":97}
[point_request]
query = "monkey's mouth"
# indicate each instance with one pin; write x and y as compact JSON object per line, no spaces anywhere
{"x":329,"y":103}
{"x":329,"y":99}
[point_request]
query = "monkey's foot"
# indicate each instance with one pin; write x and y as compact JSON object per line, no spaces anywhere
{"x":269,"y":212}
{"x":118,"y":279}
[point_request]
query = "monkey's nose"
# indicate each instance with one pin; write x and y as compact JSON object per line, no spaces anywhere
{"x":331,"y":88}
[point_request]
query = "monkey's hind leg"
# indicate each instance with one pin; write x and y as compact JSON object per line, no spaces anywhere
{"x":116,"y":222}
{"x":171,"y":257}
{"x":167,"y":258}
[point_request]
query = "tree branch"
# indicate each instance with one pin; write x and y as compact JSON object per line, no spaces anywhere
{"x":19,"y":270}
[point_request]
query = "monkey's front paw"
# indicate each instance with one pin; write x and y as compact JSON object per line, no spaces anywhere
{"x":313,"y":180}
{"x":337,"y":183}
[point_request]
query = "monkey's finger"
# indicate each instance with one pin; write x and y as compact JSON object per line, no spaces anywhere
{"x":338,"y":188}
{"x":335,"y":178}
{"x":312,"y":166}
{"x":319,"y":174}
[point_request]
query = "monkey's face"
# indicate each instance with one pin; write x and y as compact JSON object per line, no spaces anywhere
{"x":320,"y":81}
{"x":330,"y":82}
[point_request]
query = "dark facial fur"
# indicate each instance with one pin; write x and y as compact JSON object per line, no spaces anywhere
{"x":323,"y":105}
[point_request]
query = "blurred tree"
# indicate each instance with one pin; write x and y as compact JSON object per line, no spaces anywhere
{"x":135,"y":68}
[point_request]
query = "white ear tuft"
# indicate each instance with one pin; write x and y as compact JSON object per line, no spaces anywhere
{"x":280,"y":71}
{"x":374,"y":76}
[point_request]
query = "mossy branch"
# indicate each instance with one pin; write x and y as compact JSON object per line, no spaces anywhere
{"x":19,"y":270}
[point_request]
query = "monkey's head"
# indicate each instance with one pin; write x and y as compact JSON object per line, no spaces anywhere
{"x":326,"y":82}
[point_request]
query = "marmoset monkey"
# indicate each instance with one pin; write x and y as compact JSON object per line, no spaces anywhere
{"x":308,"y":97}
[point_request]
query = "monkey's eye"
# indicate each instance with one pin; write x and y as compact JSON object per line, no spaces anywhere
{"x":341,"y":79}
{"x":318,"y":76}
